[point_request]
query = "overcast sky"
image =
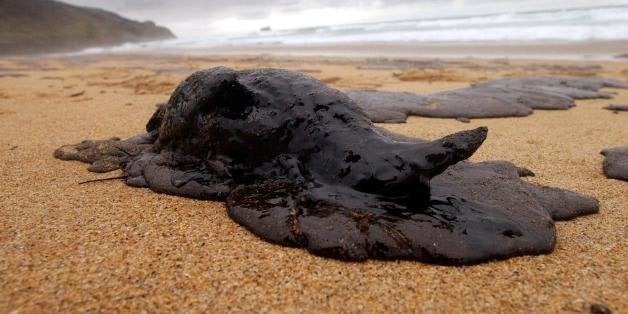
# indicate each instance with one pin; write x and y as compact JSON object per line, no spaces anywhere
{"x":188,"y":18}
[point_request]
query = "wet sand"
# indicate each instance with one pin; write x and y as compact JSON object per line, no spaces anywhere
{"x":547,"y":50}
{"x":106,"y":246}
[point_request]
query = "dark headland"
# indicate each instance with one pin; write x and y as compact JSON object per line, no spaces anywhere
{"x":41,"y":26}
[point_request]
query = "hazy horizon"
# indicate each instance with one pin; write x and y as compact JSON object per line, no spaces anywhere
{"x":195,"y":18}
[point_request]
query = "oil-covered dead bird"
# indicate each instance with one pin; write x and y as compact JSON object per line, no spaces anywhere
{"x":299,"y":164}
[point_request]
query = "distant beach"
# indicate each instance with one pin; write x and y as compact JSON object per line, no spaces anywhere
{"x":587,"y":50}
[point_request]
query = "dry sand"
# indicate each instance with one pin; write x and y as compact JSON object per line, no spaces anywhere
{"x":109,"y":247}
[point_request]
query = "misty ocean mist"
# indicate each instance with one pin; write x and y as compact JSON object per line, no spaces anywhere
{"x":602,"y":23}
{"x":597,"y":23}
{"x":607,"y":22}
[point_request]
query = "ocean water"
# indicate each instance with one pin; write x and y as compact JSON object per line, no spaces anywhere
{"x":579,"y":24}
{"x":602,"y":23}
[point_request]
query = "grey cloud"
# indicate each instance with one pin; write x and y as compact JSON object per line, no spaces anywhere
{"x":180,"y":15}
{"x":166,"y":11}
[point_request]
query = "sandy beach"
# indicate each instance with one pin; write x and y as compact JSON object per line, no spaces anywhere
{"x":66,"y":247}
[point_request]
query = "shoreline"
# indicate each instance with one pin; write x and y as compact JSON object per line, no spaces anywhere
{"x":598,"y":50}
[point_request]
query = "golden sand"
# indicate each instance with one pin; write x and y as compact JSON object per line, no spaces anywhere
{"x":109,"y":247}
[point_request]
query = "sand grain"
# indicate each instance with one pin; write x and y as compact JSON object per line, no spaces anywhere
{"x":109,"y":247}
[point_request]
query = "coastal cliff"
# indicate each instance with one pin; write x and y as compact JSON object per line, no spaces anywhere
{"x":42,"y":26}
